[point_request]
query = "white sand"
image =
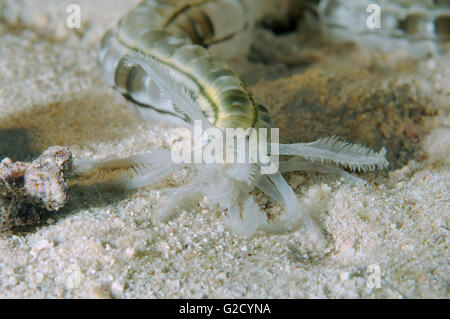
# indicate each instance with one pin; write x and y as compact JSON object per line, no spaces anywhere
{"x":107,"y":244}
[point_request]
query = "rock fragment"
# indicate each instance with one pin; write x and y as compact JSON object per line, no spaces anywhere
{"x":29,"y":189}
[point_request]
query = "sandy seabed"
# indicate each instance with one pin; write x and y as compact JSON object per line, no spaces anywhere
{"x":108,"y":244}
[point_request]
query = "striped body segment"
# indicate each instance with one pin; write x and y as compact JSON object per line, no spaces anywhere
{"x":180,"y":35}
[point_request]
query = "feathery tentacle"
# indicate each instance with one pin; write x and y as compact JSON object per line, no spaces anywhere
{"x":331,"y":149}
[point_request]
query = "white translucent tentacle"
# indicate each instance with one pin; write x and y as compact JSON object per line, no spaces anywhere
{"x":245,"y":172}
{"x":138,"y":170}
{"x":355,"y":157}
{"x":295,"y":216}
{"x":85,"y":166}
{"x":154,"y":156}
{"x":147,"y":175}
{"x":247,"y":224}
{"x":269,"y":189}
{"x":151,"y":116}
{"x":297,"y":164}
{"x":206,"y":174}
{"x":171,"y":87}
{"x":176,"y":196}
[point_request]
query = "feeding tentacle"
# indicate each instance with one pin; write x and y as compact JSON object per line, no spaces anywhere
{"x":298,"y":164}
{"x":331,"y":149}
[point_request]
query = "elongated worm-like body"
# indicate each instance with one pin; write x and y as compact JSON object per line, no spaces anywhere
{"x":177,"y":35}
